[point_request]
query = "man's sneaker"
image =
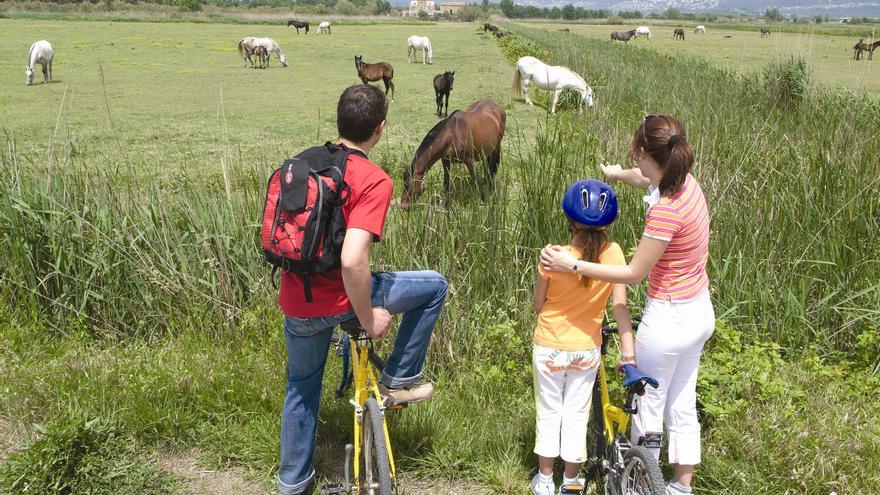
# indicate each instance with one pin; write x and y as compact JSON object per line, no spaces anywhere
{"x":408,"y":394}
{"x":540,"y":487}
{"x":572,"y":486}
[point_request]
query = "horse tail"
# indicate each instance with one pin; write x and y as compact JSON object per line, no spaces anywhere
{"x":241,"y":48}
{"x":517,"y":82}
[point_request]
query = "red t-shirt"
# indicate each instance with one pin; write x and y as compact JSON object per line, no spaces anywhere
{"x":367,"y":205}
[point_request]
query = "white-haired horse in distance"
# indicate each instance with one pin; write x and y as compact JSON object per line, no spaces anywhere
{"x":644,"y":31}
{"x":416,"y":43}
{"x":324,"y":27}
{"x":246,"y":49}
{"x":549,"y":77}
{"x":700,"y":29}
{"x":40,"y":53}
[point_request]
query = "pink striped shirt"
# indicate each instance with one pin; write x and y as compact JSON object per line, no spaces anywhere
{"x":683,"y":221}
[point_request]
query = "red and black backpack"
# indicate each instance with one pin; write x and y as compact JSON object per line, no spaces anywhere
{"x":303,"y":224}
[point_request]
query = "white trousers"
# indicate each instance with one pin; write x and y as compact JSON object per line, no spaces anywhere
{"x":668,"y":347}
{"x":563,"y":392}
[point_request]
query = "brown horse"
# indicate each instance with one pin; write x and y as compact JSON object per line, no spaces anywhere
{"x":861,"y":46}
{"x":465,"y":136}
{"x":765,"y":31}
{"x":678,"y":34}
{"x":262,"y":56}
{"x":442,"y":87}
{"x":374,"y":72}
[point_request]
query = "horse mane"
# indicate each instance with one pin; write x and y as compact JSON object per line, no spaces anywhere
{"x":430,"y":137}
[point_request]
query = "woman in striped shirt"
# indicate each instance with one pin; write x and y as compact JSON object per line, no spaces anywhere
{"x":678,"y":317}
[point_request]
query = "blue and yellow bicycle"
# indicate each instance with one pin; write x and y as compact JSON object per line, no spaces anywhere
{"x":614,"y":464}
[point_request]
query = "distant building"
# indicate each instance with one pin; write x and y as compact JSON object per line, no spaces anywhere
{"x":449,"y":9}
{"x":416,"y":6}
{"x":844,"y":20}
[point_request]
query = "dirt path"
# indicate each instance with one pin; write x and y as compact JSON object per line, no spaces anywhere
{"x":197,"y":480}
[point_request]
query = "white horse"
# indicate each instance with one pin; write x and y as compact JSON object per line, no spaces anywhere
{"x":40,"y":53}
{"x":550,"y":77}
{"x":416,"y":43}
{"x":644,"y":31}
{"x":246,"y":49}
{"x":700,"y":29}
{"x":324,"y":27}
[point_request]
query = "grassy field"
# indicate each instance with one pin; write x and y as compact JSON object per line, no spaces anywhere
{"x":176,"y":96}
{"x":136,"y":319}
{"x":830,"y":57}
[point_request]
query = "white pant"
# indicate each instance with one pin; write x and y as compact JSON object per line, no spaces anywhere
{"x":563,"y":392}
{"x":668,"y":347}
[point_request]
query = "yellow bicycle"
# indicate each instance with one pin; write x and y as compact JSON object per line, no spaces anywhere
{"x":617,"y":466}
{"x":376,"y":475}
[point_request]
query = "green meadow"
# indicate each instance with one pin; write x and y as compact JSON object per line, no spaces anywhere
{"x":139,"y":330}
{"x":830,"y":56}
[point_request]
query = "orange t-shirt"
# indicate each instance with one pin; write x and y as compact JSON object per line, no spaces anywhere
{"x":572,"y":314}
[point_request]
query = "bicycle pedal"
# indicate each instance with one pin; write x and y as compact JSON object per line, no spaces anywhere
{"x":571,"y":489}
{"x":334,"y":489}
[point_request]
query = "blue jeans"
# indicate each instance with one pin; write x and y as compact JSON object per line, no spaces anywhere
{"x":418,"y":295}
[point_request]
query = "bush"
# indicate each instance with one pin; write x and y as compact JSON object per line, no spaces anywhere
{"x":344,"y":7}
{"x":189,"y":5}
{"x":76,"y":454}
{"x":470,"y":13}
{"x":788,"y":80}
{"x":616,"y":21}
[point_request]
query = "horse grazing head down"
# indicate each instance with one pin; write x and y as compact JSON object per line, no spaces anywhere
{"x":29,"y":72}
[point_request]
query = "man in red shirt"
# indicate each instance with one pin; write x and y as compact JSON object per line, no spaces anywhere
{"x":353,"y":291}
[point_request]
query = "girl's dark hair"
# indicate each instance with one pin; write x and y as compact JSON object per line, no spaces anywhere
{"x":663,"y":137}
{"x":590,"y":241}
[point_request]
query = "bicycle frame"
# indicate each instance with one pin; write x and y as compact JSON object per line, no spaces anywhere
{"x":614,"y":419}
{"x":364,"y":385}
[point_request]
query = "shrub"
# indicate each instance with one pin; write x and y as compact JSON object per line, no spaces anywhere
{"x":344,"y":7}
{"x":788,"y":80}
{"x":189,"y":5}
{"x":77,"y":454}
{"x":614,"y":20}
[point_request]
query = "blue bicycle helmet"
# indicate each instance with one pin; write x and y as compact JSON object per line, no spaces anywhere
{"x":590,"y":202}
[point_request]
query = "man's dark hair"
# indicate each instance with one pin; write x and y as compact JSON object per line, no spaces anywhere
{"x":361,"y":109}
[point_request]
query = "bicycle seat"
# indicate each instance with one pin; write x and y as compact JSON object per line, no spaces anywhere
{"x":633,"y":376}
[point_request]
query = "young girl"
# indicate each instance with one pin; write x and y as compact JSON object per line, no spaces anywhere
{"x":567,"y":340}
{"x":678,"y":317}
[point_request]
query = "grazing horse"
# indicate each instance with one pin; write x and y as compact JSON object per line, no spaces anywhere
{"x":861,"y":46}
{"x":624,"y":35}
{"x":465,"y":136}
{"x":262,"y":56}
{"x":246,"y":49}
{"x":499,"y":33}
{"x":644,"y":31}
{"x":678,"y":34}
{"x":298,"y":25}
{"x":442,"y":87}
{"x":700,"y":29}
{"x":490,"y":27}
{"x":550,"y":77}
{"x":765,"y":31}
{"x":40,"y":53}
{"x":324,"y":27}
{"x":374,"y":72}
{"x":419,"y":43}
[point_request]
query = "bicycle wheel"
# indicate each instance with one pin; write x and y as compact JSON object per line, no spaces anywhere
{"x":641,"y":473}
{"x":377,"y":466}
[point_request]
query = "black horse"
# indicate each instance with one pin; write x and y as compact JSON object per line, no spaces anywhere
{"x":623,"y":36}
{"x":298,"y":24}
{"x":678,"y":34}
{"x":442,"y":86}
{"x":489,"y":27}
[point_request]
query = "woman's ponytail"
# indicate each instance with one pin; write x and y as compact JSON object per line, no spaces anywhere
{"x":663,"y":137}
{"x":678,"y":165}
